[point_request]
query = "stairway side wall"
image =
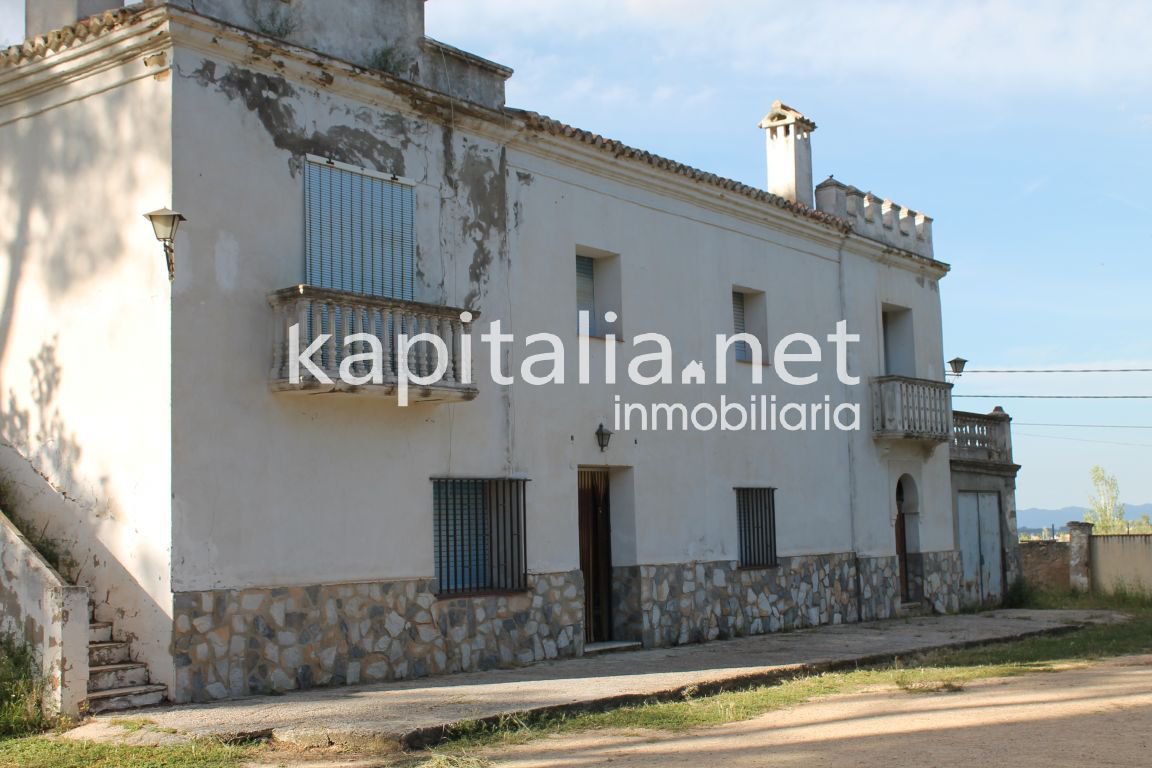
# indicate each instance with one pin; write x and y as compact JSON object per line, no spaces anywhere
{"x":38,"y":607}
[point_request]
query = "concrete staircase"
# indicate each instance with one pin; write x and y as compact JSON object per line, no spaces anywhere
{"x":115,"y":682}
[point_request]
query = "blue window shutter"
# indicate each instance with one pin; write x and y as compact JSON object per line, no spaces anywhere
{"x":359,"y":232}
{"x":586,"y":292}
{"x":743,"y":352}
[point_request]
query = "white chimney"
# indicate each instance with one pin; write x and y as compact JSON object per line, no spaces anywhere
{"x":42,"y":16}
{"x":789,"y":153}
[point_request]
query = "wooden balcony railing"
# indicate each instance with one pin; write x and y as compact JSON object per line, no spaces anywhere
{"x":914,"y":409}
{"x":982,"y":437}
{"x":337,"y":315}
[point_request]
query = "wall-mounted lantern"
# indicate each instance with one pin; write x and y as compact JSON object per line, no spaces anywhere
{"x":957,"y":365}
{"x":603,"y":436}
{"x":165,"y":222}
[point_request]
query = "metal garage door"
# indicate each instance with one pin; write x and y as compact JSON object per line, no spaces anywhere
{"x":980,"y":545}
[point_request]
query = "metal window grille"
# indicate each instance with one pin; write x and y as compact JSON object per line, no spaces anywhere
{"x":478,"y":535}
{"x":360,"y":234}
{"x":743,"y":351}
{"x":586,"y":292}
{"x":756,"y":518}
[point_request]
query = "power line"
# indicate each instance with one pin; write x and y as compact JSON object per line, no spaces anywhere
{"x":1060,"y":370}
{"x":1061,"y":397}
{"x":1083,"y":440}
{"x":1082,"y":426}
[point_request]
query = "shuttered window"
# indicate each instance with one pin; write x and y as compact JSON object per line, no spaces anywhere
{"x":743,"y":351}
{"x":756,"y":521}
{"x":478,"y":535}
{"x":586,"y":292}
{"x":359,"y":231}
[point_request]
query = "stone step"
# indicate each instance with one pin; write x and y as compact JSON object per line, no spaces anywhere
{"x":113,"y":676}
{"x":118,"y":699}
{"x":99,"y":631}
{"x":909,"y":610}
{"x":612,"y":646}
{"x":105,"y":654}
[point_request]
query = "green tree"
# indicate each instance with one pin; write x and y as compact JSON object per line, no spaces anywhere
{"x":1105,"y":510}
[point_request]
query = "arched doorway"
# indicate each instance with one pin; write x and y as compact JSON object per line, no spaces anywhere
{"x":907,"y":520}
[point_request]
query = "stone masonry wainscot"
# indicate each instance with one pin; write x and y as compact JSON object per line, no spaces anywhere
{"x":231,"y":643}
{"x":943,"y":574}
{"x":692,"y":602}
{"x":879,"y":587}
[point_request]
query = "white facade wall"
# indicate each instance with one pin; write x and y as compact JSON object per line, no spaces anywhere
{"x":333,"y":488}
{"x":290,"y":489}
{"x":84,"y":335}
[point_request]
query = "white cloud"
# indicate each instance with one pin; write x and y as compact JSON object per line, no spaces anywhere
{"x":984,"y":43}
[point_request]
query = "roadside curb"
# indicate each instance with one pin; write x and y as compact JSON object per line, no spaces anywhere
{"x":430,"y":736}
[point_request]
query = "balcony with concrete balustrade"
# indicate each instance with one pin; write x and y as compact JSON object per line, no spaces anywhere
{"x":325,"y":320}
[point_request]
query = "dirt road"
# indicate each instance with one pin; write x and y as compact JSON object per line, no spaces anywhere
{"x":1100,"y":715}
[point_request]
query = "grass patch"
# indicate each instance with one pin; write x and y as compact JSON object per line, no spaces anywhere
{"x":445,"y":760}
{"x":929,"y":681}
{"x":48,"y":547}
{"x":1122,"y":598}
{"x":132,"y":724}
{"x":21,"y":688}
{"x":705,"y":711}
{"x":43,"y":752}
{"x":135,"y":724}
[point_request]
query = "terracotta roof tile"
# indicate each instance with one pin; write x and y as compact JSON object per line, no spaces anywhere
{"x":537,"y":122}
{"x":59,"y":39}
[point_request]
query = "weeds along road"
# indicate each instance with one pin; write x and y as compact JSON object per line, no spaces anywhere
{"x":1099,"y":715}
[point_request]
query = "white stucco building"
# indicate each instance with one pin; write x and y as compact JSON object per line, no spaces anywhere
{"x":340,"y":172}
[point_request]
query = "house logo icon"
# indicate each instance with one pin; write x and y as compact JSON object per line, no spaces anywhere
{"x":694,"y":373}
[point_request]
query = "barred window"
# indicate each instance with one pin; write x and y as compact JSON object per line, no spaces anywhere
{"x":478,"y":535}
{"x":756,"y":518}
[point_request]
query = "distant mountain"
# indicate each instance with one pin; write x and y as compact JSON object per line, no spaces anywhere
{"x":1044,"y":518}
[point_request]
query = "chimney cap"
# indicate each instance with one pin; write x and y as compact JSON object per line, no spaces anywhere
{"x":782,"y":114}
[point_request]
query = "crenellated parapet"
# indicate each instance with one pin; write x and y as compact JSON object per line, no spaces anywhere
{"x":876,"y":218}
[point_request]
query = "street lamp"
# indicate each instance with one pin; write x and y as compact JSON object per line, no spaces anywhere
{"x":165,"y":222}
{"x":957,"y":365}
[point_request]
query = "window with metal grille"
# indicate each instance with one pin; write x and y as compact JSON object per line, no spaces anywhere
{"x":743,"y":351}
{"x":359,"y":230}
{"x":478,"y":535}
{"x":586,"y":292}
{"x":756,"y":519}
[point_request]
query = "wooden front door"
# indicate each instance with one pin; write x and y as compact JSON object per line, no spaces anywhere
{"x":902,"y":545}
{"x":596,"y":554}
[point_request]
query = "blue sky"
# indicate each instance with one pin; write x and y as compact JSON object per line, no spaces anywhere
{"x":1024,"y":129}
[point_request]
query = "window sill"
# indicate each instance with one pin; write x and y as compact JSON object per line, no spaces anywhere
{"x":753,"y":363}
{"x":758,"y":567}
{"x":616,"y":339}
{"x":442,"y":596}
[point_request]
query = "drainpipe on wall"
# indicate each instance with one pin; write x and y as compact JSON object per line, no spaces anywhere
{"x":851,"y":449}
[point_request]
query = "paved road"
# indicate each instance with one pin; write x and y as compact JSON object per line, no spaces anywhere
{"x":1098,"y":716}
{"x":383,"y":716}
